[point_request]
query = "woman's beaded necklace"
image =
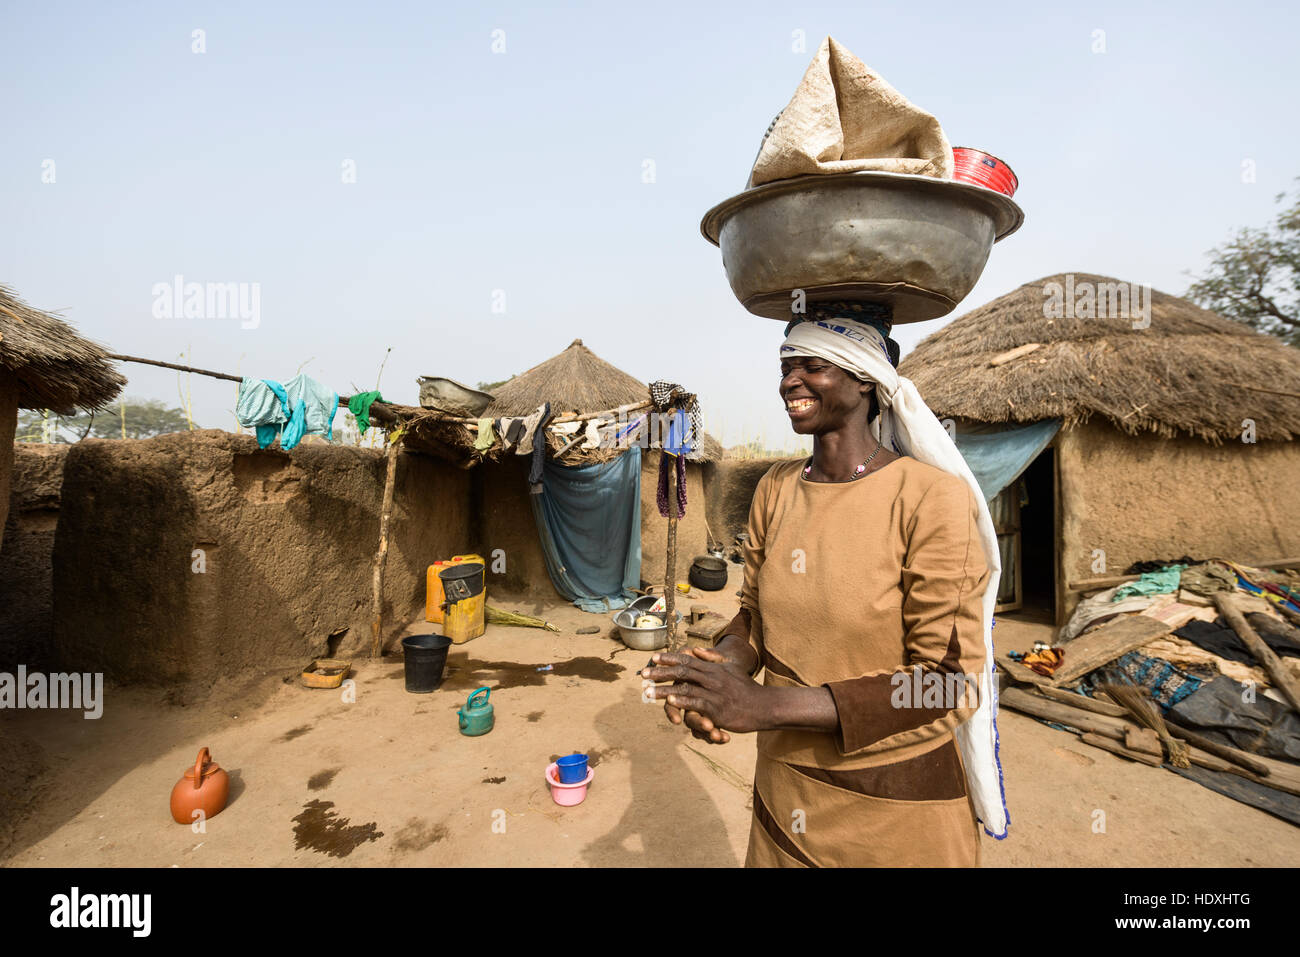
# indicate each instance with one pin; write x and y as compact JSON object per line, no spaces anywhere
{"x":857,"y":472}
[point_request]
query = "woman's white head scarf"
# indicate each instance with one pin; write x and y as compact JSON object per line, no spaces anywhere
{"x":907,"y":425}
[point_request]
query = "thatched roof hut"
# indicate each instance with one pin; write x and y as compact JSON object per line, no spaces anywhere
{"x":1189,"y":372}
{"x":44,"y":364}
{"x":1175,"y":438}
{"x":577,"y":380}
{"x":52,"y":367}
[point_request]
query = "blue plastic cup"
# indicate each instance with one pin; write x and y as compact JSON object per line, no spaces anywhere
{"x":572,"y":768}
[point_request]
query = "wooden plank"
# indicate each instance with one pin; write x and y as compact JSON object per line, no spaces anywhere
{"x":1094,"y":705}
{"x":1017,"y":699}
{"x":1103,"y":645}
{"x":1203,"y":759}
{"x":1114,"y":747}
{"x":1281,"y":676}
{"x":1110,"y":581}
{"x":1227,"y":752}
{"x":1018,"y":673}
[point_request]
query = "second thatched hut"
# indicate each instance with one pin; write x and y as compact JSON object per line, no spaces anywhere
{"x":1113,"y":424}
{"x":577,"y":381}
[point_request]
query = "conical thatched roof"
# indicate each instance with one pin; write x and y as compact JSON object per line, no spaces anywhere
{"x":1190,"y":372}
{"x":576,"y":380}
{"x":579,"y":381}
{"x":55,"y":368}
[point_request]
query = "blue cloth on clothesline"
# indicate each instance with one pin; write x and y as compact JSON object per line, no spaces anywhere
{"x":300,"y":407}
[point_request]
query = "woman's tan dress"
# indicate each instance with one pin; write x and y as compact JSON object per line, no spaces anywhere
{"x":873,"y":589}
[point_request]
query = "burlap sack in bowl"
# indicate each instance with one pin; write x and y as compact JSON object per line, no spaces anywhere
{"x":845,"y":117}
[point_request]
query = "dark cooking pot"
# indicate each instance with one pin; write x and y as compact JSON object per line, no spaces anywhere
{"x":709,"y":573}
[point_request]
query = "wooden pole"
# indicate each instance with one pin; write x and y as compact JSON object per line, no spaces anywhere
{"x":379,"y":411}
{"x":1286,"y":684}
{"x":670,"y":572}
{"x":381,"y":560}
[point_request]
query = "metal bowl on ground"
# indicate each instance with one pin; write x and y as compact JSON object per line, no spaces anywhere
{"x":452,"y":397}
{"x":643,"y":639}
{"x":915,"y":242}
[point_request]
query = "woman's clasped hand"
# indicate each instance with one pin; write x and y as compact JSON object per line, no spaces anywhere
{"x":709,"y":691}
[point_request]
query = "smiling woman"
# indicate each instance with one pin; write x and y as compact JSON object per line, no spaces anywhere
{"x":865,"y":571}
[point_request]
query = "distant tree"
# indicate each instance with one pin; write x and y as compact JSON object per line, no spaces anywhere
{"x":1255,"y":277}
{"x":489,"y":386}
{"x":144,"y":418}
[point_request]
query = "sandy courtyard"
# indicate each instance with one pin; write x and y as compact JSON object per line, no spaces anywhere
{"x":389,"y":780}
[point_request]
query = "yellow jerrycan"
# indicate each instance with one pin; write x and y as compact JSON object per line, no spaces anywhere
{"x":433,"y":593}
{"x":465,"y":601}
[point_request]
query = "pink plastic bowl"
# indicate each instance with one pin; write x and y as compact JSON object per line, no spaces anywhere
{"x":567,"y":794}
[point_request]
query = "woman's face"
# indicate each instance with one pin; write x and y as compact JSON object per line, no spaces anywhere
{"x":820,"y":396}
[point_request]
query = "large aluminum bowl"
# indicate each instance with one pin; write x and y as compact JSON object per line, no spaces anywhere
{"x":643,"y":639}
{"x":916,"y":242}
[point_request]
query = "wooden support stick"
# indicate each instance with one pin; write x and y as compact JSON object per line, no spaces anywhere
{"x":1286,"y":684}
{"x":670,"y":572}
{"x":381,"y":560}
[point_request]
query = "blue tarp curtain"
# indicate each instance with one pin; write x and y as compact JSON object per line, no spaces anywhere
{"x":589,"y":522}
{"x":998,"y":457}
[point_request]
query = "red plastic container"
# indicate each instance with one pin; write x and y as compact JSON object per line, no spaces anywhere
{"x":983,"y":169}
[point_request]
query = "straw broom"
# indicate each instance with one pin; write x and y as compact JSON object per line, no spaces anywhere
{"x":495,"y":616}
{"x":1138,"y":703}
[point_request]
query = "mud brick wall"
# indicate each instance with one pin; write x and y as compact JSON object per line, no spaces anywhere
{"x":26,"y":569}
{"x":194,"y":555}
{"x":1143,"y":497}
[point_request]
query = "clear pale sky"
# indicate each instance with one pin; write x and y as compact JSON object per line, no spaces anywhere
{"x":521,"y":171}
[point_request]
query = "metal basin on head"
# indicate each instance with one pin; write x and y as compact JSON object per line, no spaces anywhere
{"x":916,"y":242}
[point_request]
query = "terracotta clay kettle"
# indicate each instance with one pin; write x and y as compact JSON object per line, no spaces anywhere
{"x":204,"y":787}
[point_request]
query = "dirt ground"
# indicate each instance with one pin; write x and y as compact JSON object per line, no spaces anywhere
{"x":389,"y":781}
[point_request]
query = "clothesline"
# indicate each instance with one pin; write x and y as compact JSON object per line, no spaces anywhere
{"x":389,"y":412}
{"x":381,"y":411}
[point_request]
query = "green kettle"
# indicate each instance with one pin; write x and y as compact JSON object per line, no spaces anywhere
{"x":476,"y":717}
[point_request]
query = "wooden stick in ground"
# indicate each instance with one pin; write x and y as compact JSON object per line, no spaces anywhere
{"x":670,"y":573}
{"x":381,"y":560}
{"x":1286,"y":684}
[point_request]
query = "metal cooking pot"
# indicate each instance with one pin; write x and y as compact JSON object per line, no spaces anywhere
{"x":916,"y":242}
{"x":709,"y":573}
{"x":452,"y":397}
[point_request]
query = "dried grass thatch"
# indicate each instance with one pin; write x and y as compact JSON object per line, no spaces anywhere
{"x":577,"y":380}
{"x":54,"y":367}
{"x":576,"y":383}
{"x":1190,"y":372}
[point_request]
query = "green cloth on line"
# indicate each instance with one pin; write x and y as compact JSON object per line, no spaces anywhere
{"x":1161,"y":582}
{"x":485,"y":435}
{"x":359,"y":405}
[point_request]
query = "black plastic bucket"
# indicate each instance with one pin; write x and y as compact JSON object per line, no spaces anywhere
{"x":425,"y":657}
